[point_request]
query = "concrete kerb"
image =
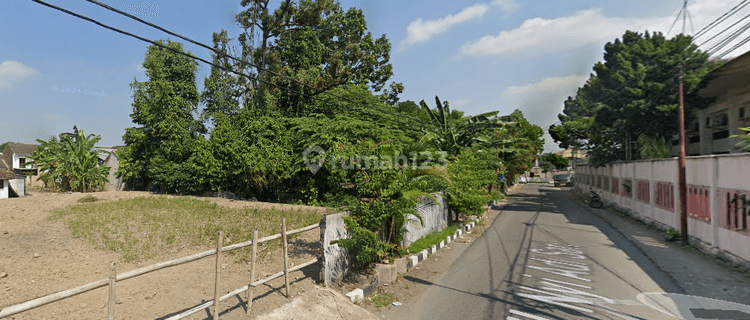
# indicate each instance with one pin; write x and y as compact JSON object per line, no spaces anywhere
{"x":412,"y":261}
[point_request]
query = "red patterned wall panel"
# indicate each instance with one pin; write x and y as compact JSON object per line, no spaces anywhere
{"x":643,"y":191}
{"x":699,"y":202}
{"x":665,"y":196}
{"x":732,"y":216}
{"x":616,"y":185}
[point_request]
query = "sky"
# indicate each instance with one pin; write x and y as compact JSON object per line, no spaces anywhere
{"x":57,"y":71}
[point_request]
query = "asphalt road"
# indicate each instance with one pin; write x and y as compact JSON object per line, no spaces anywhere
{"x":546,"y":257}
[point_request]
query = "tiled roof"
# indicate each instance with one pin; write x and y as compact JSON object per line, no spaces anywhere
{"x":5,"y":172}
{"x":22,"y":148}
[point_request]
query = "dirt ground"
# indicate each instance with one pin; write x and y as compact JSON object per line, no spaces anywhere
{"x":39,"y":257}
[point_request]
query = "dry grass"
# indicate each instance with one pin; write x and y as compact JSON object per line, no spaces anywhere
{"x":141,"y":228}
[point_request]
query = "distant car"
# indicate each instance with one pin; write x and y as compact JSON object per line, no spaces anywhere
{"x":565,"y":179}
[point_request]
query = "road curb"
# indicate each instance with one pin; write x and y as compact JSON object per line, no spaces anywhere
{"x":361,"y":293}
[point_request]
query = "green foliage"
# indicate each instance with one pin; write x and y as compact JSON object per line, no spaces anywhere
{"x":671,"y":234}
{"x":314,"y":41}
{"x":471,"y":172}
{"x":363,"y":244}
{"x":432,"y":239}
{"x":518,"y":152}
{"x":632,"y":94}
{"x":71,"y":163}
{"x":381,"y":299}
{"x":653,"y":148}
{"x":164,"y":150}
{"x":555,"y":160}
{"x":452,"y":132}
{"x":744,"y":144}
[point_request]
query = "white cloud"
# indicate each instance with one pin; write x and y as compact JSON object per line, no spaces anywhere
{"x":553,"y":35}
{"x":592,"y":26}
{"x":420,"y":31}
{"x":13,"y":71}
{"x":507,"y":6}
{"x":542,"y":101}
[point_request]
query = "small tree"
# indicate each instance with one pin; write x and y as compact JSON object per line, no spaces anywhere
{"x":71,"y":163}
{"x":557,"y":161}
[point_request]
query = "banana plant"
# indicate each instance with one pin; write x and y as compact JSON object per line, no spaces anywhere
{"x":71,"y":163}
{"x":452,"y":135}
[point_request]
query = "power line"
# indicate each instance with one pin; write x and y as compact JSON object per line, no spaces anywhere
{"x":220,"y":53}
{"x":721,"y":19}
{"x":722,"y":31}
{"x":198,"y":58}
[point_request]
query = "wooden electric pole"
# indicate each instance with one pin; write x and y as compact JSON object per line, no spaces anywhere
{"x":681,"y":152}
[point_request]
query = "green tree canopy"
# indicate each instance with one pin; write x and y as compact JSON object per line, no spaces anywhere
{"x":161,"y":149}
{"x":632,"y":93}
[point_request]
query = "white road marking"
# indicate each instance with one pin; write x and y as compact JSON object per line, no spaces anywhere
{"x":570,"y":284}
{"x":556,"y":299}
{"x":563,"y":272}
{"x":527,"y":315}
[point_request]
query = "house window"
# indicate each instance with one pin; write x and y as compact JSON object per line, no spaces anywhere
{"x":21,"y":162}
{"x":2,"y":184}
{"x":708,"y":122}
{"x":742,"y":112}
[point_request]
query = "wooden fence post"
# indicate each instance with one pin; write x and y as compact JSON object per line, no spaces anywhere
{"x":252,"y":272}
{"x":218,"y":275}
{"x":112,"y":290}
{"x":286,"y":253}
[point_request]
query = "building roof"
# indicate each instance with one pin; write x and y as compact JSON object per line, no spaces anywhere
{"x":568,"y":153}
{"x":732,"y":75}
{"x":21,"y":148}
{"x":5,"y":172}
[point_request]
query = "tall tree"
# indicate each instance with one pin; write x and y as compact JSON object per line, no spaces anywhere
{"x":315,"y":42}
{"x":222,"y":92}
{"x":527,"y":143}
{"x":632,"y":95}
{"x":161,"y":149}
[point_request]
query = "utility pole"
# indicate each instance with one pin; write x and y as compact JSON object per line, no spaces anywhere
{"x":681,"y":154}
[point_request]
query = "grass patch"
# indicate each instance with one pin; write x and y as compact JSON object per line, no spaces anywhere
{"x":381,"y":299}
{"x":432,"y":239}
{"x":141,"y":228}
{"x":88,"y":198}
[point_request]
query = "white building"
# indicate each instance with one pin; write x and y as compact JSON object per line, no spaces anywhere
{"x":711,"y":131}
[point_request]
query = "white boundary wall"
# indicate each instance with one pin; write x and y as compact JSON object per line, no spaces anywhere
{"x":718,"y":231}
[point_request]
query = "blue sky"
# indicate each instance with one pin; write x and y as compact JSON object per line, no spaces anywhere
{"x":481,"y":56}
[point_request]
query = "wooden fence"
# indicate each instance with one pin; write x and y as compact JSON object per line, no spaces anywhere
{"x":114,"y":277}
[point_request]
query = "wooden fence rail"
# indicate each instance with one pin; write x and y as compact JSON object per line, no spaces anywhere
{"x":243,"y":289}
{"x":38,"y":302}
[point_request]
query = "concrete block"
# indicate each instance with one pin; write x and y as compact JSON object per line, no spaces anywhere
{"x":335,"y":259}
{"x":413,"y":261}
{"x":356,"y":295}
{"x":367,"y":290}
{"x":401,"y":264}
{"x":386,"y":272}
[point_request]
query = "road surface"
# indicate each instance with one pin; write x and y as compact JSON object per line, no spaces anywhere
{"x":544,"y":257}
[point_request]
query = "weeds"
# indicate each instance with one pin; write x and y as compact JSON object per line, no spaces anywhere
{"x":381,"y":299}
{"x":141,"y":228}
{"x":432,"y":239}
{"x":88,"y":198}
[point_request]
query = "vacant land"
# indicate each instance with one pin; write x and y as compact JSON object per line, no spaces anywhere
{"x":51,"y":242}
